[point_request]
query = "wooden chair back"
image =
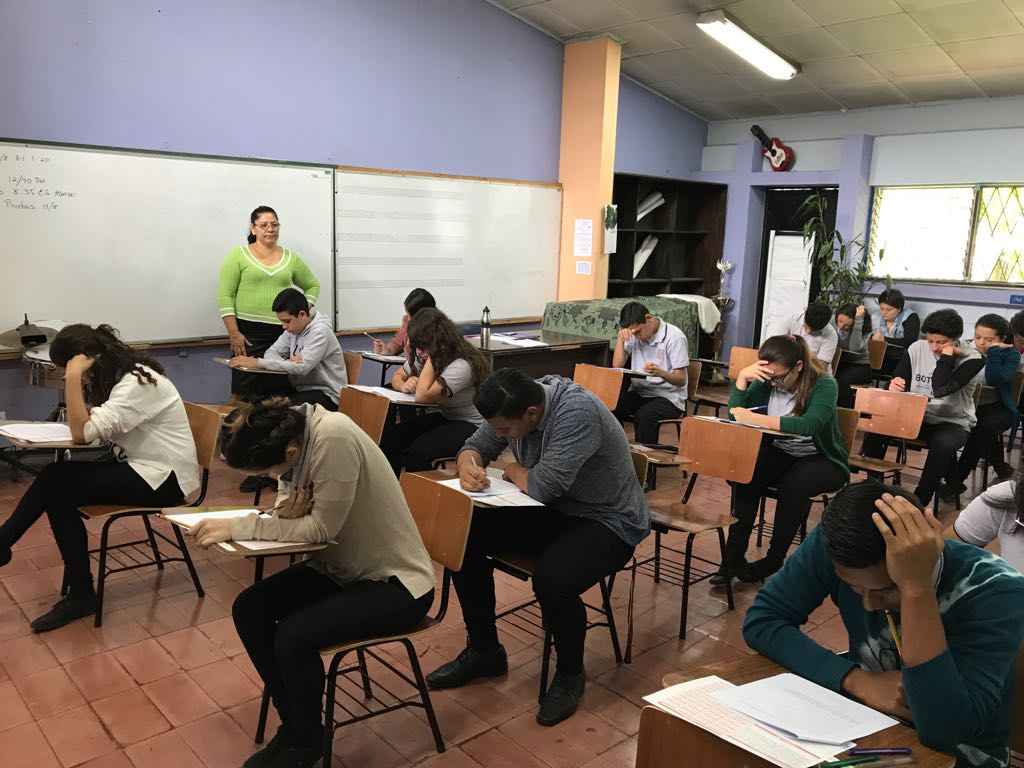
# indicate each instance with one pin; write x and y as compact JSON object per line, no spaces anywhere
{"x":848,"y":421}
{"x":719,"y":449}
{"x":353,"y":365}
{"x":1017,"y":386}
{"x":978,"y":386}
{"x":740,"y":358}
{"x":205,"y":425}
{"x":876,"y":353}
{"x":367,"y":410}
{"x":640,"y":465}
{"x":603,"y":382}
{"x":693,"y":379}
{"x":1017,"y":728}
{"x":836,"y":358}
{"x":443,"y":516}
{"x":892,"y":414}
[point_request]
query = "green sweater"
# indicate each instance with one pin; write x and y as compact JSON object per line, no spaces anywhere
{"x":962,"y":699}
{"x":248,"y":288}
{"x":818,"y":419}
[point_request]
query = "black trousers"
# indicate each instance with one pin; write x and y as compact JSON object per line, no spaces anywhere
{"x":847,"y":375}
{"x":261,"y":337}
{"x":314,"y":396}
{"x":417,"y":442}
{"x":944,"y":440}
{"x":61,"y":488}
{"x":797,"y":481}
{"x":983,"y":442}
{"x":573,"y":554}
{"x":646,"y":413}
{"x":286,"y":619}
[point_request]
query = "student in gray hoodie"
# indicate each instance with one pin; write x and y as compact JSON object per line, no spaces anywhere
{"x":853,"y":324}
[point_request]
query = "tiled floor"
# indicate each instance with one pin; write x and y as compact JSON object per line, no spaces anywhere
{"x":165,"y":682}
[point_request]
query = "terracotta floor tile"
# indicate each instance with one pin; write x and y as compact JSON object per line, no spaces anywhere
{"x":130,"y":716}
{"x":218,"y":741}
{"x":26,"y":747}
{"x":73,"y":641}
{"x":247,"y":715}
{"x":159,"y":617}
{"x":116,"y":759}
{"x":76,"y":736}
{"x":613,"y":709}
{"x":48,"y":692}
{"x":198,"y":611}
{"x":485,"y":701}
{"x":180,"y":699}
{"x":408,"y":735}
{"x":451,"y":758}
{"x":622,"y":755}
{"x":30,"y":586}
{"x":124,"y":631}
{"x":99,"y":676}
{"x":26,"y":655}
{"x":146,"y":661}
{"x":553,"y":745}
{"x":13,"y":623}
{"x":190,"y":648}
{"x":496,"y":750}
{"x":13,"y":711}
{"x":223,"y":635}
{"x":225,"y":683}
{"x":362,"y":747}
{"x":168,"y":750}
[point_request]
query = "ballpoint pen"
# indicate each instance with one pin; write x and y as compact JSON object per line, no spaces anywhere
{"x":873,"y":759}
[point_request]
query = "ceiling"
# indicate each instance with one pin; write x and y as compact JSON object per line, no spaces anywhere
{"x":851,"y":53}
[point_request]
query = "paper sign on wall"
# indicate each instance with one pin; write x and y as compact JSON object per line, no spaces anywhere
{"x":583,"y":268}
{"x":583,"y":238}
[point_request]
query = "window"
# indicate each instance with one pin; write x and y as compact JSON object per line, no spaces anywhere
{"x":965,"y":233}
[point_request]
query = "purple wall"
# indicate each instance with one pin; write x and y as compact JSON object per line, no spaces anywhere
{"x":655,"y":137}
{"x":447,"y":86}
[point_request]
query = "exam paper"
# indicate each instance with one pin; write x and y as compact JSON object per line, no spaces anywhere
{"x":391,"y":394}
{"x":38,"y":432}
{"x":188,"y":519}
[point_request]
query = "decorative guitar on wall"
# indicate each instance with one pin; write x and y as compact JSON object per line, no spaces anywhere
{"x":779,"y":155}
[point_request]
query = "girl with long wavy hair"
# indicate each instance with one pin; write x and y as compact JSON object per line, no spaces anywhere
{"x":117,"y":395}
{"x":784,"y":390}
{"x":443,"y":370}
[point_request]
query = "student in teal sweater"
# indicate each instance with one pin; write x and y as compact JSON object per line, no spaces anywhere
{"x":784,"y":390}
{"x":957,"y":610}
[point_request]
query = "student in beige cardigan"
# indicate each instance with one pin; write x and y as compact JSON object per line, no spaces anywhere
{"x":374,"y":578}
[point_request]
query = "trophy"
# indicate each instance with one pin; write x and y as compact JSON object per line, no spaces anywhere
{"x":723,"y":303}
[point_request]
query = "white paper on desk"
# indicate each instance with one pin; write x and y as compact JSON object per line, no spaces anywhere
{"x":805,"y":710}
{"x":257,"y":544}
{"x":727,"y":421}
{"x":393,"y":359}
{"x":517,"y":342}
{"x":243,"y":368}
{"x":391,"y":394}
{"x":38,"y":432}
{"x":498,"y":487}
{"x":694,"y":702}
{"x":188,"y":519}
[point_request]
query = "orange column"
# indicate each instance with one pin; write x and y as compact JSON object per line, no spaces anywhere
{"x":590,"y":104}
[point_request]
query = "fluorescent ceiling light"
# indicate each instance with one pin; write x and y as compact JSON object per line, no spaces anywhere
{"x":743,"y":44}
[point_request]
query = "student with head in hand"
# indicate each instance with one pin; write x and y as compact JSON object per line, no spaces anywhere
{"x":946,"y":371}
{"x":374,"y":577}
{"x":418,"y":298}
{"x":996,"y":409}
{"x":812,"y":325}
{"x":997,"y":515}
{"x":308,"y":351}
{"x":659,"y":350}
{"x":120,"y":396}
{"x":853,"y":325}
{"x":784,"y":390}
{"x":934,"y":626}
{"x":571,"y":455}
{"x":895,"y":324}
{"x":442,"y":370}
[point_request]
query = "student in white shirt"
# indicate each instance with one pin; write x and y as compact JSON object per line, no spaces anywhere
{"x":658,"y":349}
{"x":996,"y":515}
{"x":443,"y":370}
{"x":136,"y":409}
{"x":813,"y":325}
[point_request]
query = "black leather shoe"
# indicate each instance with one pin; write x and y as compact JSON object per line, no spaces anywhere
{"x":562,"y":699}
{"x":740,"y":570}
{"x":266,"y":756}
{"x":468,"y":666}
{"x":761,"y":570}
{"x":1003,"y":472}
{"x":70,"y":608}
{"x":5,"y":555}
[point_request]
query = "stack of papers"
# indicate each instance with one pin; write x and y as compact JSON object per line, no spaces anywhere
{"x":515,"y":342}
{"x":391,"y":359}
{"x":500,"y":493}
{"x":643,"y":254}
{"x":391,"y":394}
{"x":38,"y":432}
{"x":649,"y":203}
{"x":188,"y":520}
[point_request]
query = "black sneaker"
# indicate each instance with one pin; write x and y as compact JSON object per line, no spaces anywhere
{"x":298,"y":757}
{"x":64,"y":611}
{"x":266,"y":756}
{"x":562,"y":698}
{"x":1003,"y":471}
{"x":468,"y":666}
{"x":740,"y":570}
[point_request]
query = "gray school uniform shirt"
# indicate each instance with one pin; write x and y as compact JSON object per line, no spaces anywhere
{"x":957,"y":407}
{"x":323,"y":363}
{"x":457,"y":402}
{"x":667,"y":349}
{"x":579,"y":460}
{"x":992,"y":516}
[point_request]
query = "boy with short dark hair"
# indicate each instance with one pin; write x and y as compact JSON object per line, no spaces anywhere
{"x":813,"y":326}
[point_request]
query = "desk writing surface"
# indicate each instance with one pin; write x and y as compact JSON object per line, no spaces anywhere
{"x":52,"y":445}
{"x":758,"y":667}
{"x":246,"y":369}
{"x":560,"y":355}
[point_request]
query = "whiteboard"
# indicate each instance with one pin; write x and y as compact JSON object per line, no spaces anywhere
{"x":469,"y":242}
{"x":136,"y":240}
{"x":788,"y":280}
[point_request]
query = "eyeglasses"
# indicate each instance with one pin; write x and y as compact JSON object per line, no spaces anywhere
{"x":776,"y":380}
{"x":268,"y":225}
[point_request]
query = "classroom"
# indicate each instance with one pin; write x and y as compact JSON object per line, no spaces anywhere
{"x":723,"y":298}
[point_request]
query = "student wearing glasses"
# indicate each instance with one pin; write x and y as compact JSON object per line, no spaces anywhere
{"x":784,"y":390}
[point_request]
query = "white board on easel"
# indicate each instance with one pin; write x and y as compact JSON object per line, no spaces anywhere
{"x":787,"y":280}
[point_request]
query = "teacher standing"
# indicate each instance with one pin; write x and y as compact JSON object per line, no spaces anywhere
{"x":250,"y":277}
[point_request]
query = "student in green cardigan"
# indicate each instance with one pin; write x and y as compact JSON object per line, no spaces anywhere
{"x":784,"y":390}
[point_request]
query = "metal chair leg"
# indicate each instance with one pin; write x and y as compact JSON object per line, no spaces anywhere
{"x":421,"y":683}
{"x":102,"y":581}
{"x":261,"y":723}
{"x":188,"y":561}
{"x":760,"y":522}
{"x":545,"y":664}
{"x":364,"y":673}
{"x":157,"y":558}
{"x":684,"y":608}
{"x":657,"y":556}
{"x":725,"y":568}
{"x":606,"y":600}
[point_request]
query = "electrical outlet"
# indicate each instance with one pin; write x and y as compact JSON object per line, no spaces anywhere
{"x":3,"y":415}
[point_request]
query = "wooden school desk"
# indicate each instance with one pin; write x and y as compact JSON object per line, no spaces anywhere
{"x":22,"y":447}
{"x":666,"y":741}
{"x":560,"y":356}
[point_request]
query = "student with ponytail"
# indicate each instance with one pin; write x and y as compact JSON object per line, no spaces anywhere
{"x":374,"y":577}
{"x":791,"y":395}
{"x":136,"y":409}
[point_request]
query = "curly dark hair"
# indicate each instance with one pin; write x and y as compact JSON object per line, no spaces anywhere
{"x":257,"y":435}
{"x":113,"y":358}
{"x":430,"y":329}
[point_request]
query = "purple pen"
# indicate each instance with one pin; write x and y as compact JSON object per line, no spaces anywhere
{"x":758,"y":408}
{"x":881,"y":751}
